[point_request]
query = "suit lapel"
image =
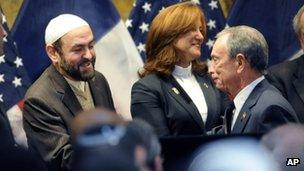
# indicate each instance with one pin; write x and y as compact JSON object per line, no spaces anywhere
{"x":97,"y":93}
{"x":71,"y":102}
{"x":245,"y":113}
{"x":210,"y":97}
{"x":179,"y":94}
{"x":62,"y":87}
{"x":299,"y":84}
{"x":241,"y":121}
{"x":299,"y":81}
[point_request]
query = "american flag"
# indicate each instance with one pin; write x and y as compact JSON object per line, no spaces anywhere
{"x":145,"y":10}
{"x":13,"y":84}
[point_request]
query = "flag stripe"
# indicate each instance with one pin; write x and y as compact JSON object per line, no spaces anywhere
{"x":121,"y":70}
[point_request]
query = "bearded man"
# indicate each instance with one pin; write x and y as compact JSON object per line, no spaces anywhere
{"x":69,"y":85}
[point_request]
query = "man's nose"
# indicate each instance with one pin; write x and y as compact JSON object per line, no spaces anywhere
{"x":89,"y":53}
{"x":211,"y":68}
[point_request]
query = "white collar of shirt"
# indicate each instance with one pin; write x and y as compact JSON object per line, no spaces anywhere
{"x":182,"y":72}
{"x":188,"y":82}
{"x":79,"y":85}
{"x":242,"y":96}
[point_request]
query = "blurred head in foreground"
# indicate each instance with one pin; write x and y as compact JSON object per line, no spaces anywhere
{"x":233,"y":155}
{"x":285,"y":142}
{"x":104,"y":141}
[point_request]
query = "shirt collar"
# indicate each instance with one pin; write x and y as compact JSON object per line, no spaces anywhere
{"x":242,"y":96}
{"x":182,"y":72}
{"x":79,"y":85}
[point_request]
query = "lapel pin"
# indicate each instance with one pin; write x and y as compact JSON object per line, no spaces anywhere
{"x":175,"y":90}
{"x":243,"y":116}
{"x":205,"y":85}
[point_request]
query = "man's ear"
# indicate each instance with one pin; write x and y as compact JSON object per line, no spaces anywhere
{"x":52,"y":53}
{"x":241,"y":62}
{"x":301,"y":39}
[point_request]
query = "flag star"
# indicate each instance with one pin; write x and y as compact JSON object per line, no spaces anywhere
{"x":2,"y":78}
{"x":134,"y":4}
{"x":18,"y":62}
{"x":129,"y":23}
{"x":210,"y":43}
{"x":15,"y":45}
{"x":213,"y":5}
{"x":161,"y":9}
{"x":2,"y":60}
{"x":1,"y":97}
{"x":196,"y":1}
{"x":17,"y":81}
{"x":141,"y":47}
{"x":3,"y":19}
{"x":5,"y":39}
{"x":147,"y":7}
{"x":144,"y":27}
{"x":211,"y":24}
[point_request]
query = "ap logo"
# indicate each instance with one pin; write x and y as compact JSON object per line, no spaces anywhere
{"x":292,"y":161}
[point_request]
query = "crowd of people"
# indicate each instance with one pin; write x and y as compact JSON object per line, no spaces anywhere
{"x":70,"y":119}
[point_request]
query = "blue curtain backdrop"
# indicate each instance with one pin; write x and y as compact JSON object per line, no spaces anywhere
{"x":273,"y":18}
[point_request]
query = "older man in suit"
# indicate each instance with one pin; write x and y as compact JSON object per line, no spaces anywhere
{"x":288,"y":76}
{"x":69,"y":85}
{"x":239,"y":58}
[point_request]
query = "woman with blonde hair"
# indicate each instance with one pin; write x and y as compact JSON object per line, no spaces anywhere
{"x":175,"y":94}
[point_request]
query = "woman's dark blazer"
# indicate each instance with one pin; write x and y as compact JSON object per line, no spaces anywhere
{"x":163,"y":103}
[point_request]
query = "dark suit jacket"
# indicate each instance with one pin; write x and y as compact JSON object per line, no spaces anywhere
{"x":50,"y":105}
{"x":288,"y":77}
{"x":6,"y":134}
{"x":264,"y":109}
{"x":163,"y":103}
{"x":13,"y":156}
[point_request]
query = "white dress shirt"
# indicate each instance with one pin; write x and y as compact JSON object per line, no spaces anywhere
{"x":242,"y":96}
{"x":189,"y":83}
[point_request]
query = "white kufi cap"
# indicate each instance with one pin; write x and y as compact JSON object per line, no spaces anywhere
{"x":61,"y":25}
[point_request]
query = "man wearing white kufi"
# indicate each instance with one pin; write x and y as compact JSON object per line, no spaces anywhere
{"x":69,"y":85}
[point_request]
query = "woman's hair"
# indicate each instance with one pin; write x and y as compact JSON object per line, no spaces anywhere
{"x":166,"y":28}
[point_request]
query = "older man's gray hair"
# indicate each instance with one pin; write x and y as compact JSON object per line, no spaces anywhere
{"x":249,"y":42}
{"x":297,"y":26}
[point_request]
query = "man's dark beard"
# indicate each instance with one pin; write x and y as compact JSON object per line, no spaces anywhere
{"x":74,"y":71}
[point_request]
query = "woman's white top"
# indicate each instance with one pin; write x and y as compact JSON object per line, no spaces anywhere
{"x":187,"y":80}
